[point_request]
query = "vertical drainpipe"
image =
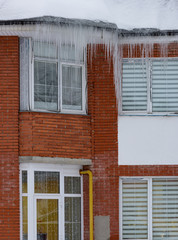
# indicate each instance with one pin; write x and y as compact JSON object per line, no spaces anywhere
{"x":90,"y":199}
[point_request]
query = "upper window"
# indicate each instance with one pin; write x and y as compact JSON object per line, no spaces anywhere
{"x":149,"y":208}
{"x":150,"y":85}
{"x":58,"y":77}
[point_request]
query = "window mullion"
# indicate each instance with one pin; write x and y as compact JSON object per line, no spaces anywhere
{"x":83,"y":89}
{"x":120,"y":209}
{"x":31,"y":232}
{"x":31,"y":83}
{"x":59,"y":79}
{"x":31,"y":75}
{"x":149,"y":86}
{"x":150,"y":209}
{"x":61,"y":203}
{"x":60,"y":86}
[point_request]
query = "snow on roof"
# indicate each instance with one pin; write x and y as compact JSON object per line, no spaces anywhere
{"x":126,"y":14}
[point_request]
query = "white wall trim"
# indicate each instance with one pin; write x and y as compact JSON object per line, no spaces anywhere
{"x":55,"y":160}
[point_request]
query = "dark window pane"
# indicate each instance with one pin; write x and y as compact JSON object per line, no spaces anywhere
{"x":25,"y":218}
{"x":45,"y":85}
{"x":46,"y":182}
{"x":72,"y":185}
{"x":47,"y":219}
{"x":72,"y":87}
{"x":72,"y":218}
{"x":24,"y":182}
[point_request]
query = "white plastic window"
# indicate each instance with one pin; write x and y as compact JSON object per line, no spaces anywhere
{"x":150,"y":85}
{"x":52,"y":77}
{"x":59,"y":79}
{"x":71,"y":87}
{"x":149,"y":208}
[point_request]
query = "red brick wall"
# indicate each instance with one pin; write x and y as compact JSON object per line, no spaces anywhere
{"x":55,"y":135}
{"x":9,"y":163}
{"x":103,"y":111}
{"x":157,"y":50}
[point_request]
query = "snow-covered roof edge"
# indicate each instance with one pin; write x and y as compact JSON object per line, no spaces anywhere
{"x":51,"y":20}
{"x":60,"y":21}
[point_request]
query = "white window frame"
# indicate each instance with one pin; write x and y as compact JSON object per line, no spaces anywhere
{"x":83,"y":87}
{"x":59,"y":62}
{"x":149,"y":181}
{"x":148,"y":112}
{"x":65,"y":171}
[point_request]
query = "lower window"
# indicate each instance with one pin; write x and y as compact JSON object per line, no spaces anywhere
{"x":149,"y":208}
{"x":51,"y":203}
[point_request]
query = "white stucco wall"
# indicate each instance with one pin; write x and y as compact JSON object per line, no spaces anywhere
{"x":145,"y":140}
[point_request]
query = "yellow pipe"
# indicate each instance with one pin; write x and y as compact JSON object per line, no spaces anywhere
{"x":90,"y":199}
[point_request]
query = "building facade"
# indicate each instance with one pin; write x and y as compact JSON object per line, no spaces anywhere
{"x":82,"y":96}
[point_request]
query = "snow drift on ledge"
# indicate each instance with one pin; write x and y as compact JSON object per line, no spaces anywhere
{"x":126,"y":14}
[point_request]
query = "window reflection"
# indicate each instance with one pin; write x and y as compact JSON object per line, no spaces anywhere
{"x":46,"y":182}
{"x":47,"y":219}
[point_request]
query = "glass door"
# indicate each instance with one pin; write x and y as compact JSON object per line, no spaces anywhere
{"x":47,"y":219}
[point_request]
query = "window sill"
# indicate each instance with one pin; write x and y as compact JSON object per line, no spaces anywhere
{"x":155,"y":114}
{"x":57,"y":112}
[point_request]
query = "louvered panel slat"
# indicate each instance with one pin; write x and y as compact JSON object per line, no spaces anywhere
{"x":137,"y":71}
{"x":160,"y":224}
{"x":165,"y":209}
{"x":164,"y":80}
{"x":164,"y":77}
{"x":163,"y":95}
{"x":172,"y":62}
{"x":167,"y":109}
{"x":169,"y":67}
{"x":173,"y":210}
{"x":133,"y":93}
{"x":171,"y":91}
{"x":128,"y":98}
{"x":134,"y":86}
{"x":128,"y":94}
{"x":164,"y":86}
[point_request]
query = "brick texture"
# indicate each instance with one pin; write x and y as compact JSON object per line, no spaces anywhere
{"x":103,"y":111}
{"x":9,"y":150}
{"x":55,"y":135}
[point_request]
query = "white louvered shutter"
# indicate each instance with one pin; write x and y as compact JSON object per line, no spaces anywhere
{"x":165,"y":209}
{"x":134,"y":85}
{"x":134,"y":209}
{"x":165,"y":85}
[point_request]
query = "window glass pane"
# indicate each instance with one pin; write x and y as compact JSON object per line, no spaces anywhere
{"x":45,"y":50}
{"x":165,"y":85}
{"x":134,"y":86}
{"x":72,"y":185}
{"x":45,"y":85}
{"x":24,"y":182}
{"x":165,"y":209}
{"x":46,"y":182}
{"x":47,"y":219}
{"x":72,"y":218}
{"x":71,"y":53}
{"x":72,"y":87}
{"x":25,"y":218}
{"x":134,"y":209}
{"x":24,"y":73}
